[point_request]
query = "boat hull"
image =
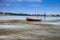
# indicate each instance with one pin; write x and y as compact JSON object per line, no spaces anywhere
{"x":30,"y":19}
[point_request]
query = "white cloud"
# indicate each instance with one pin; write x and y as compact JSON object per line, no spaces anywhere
{"x":23,"y":0}
{"x":29,"y":0}
{"x":7,"y":4}
{"x":4,"y":4}
{"x":35,"y":5}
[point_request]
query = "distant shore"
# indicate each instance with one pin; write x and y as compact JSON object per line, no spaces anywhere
{"x":26,"y":14}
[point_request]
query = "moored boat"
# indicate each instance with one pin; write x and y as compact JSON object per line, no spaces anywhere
{"x":33,"y":19}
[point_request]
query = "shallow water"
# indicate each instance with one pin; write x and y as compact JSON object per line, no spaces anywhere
{"x":24,"y":17}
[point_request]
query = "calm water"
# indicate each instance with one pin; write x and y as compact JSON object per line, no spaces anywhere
{"x":24,"y":17}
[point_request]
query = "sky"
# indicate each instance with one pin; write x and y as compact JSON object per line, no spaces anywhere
{"x":30,"y":6}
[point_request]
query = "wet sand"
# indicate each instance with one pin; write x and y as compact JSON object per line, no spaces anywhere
{"x":28,"y":30}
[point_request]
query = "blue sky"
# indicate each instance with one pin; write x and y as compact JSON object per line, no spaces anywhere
{"x":30,"y":6}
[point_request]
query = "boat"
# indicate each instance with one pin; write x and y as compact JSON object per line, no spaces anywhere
{"x":33,"y":19}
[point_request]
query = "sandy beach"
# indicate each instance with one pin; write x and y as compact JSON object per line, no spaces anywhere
{"x":28,"y":30}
